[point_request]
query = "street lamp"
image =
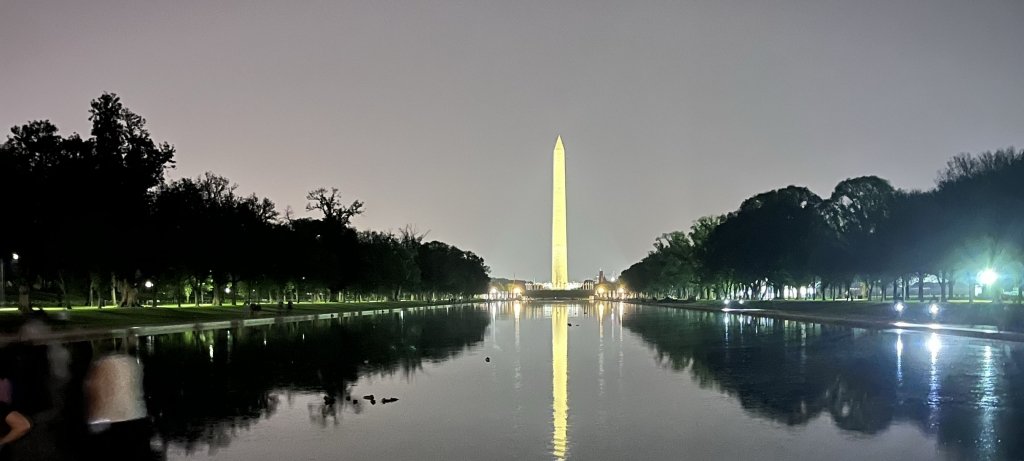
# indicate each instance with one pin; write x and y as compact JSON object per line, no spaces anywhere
{"x":987,"y":277}
{"x":152,"y":296}
{"x":3,"y":280}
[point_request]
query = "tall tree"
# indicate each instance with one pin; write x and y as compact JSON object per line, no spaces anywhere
{"x":330,"y":205}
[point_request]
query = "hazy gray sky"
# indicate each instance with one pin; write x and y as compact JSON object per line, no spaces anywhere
{"x":443,"y":114}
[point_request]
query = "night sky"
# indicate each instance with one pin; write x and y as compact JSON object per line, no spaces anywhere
{"x":443,"y":114}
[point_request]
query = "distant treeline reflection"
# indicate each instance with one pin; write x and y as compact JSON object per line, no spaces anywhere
{"x":967,"y":395}
{"x":202,"y":387}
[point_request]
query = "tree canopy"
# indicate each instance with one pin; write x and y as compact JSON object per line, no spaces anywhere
{"x":867,"y":234}
{"x":94,"y":219}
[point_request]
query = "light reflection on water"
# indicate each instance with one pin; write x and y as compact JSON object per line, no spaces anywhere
{"x":559,"y":380}
{"x":620,"y":382}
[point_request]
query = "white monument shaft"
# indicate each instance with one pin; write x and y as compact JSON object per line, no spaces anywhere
{"x":559,"y":243}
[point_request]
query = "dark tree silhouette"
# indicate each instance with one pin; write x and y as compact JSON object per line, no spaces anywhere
{"x":96,"y":216}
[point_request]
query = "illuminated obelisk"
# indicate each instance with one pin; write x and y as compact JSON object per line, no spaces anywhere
{"x":559,"y":245}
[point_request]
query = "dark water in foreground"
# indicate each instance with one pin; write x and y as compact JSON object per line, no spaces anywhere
{"x":621,"y":382}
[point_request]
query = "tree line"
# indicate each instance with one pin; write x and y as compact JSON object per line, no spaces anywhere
{"x":93,"y":219}
{"x":866,"y":237}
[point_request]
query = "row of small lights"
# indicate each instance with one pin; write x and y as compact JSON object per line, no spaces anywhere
{"x":986,"y":277}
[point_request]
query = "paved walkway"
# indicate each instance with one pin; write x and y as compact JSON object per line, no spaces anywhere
{"x":90,"y":334}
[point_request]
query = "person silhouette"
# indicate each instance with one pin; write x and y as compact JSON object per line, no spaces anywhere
{"x":116,"y":410}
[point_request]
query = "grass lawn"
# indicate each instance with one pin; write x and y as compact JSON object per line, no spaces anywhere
{"x":90,"y":317}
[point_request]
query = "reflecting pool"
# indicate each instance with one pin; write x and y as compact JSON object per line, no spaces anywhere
{"x":575,"y":381}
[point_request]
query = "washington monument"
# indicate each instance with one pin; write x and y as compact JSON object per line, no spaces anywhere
{"x":559,"y":243}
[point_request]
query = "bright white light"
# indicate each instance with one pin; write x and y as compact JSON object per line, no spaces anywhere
{"x":726,"y":302}
{"x":933,"y":309}
{"x":15,"y":256}
{"x":899,"y":307}
{"x":227,"y":290}
{"x":987,"y":277}
{"x":934,"y":345}
{"x":494,"y":290}
{"x":899,"y":357}
{"x":149,"y":284}
{"x":741,"y":301}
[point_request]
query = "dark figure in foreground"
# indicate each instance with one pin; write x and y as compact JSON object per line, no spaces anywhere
{"x":117,"y":415}
{"x":13,"y":426}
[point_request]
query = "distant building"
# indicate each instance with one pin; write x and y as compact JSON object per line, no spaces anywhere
{"x":538,"y":286}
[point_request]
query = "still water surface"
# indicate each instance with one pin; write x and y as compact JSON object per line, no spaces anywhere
{"x":581,"y":381}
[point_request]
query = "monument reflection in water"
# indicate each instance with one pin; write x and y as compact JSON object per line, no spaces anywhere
{"x":560,"y":379}
{"x":515,"y":380}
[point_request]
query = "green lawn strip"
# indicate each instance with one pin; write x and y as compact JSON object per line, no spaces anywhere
{"x":93,"y":318}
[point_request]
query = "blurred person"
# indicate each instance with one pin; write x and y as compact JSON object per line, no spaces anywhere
{"x":116,"y":411}
{"x":6,"y":368}
{"x":13,"y":426}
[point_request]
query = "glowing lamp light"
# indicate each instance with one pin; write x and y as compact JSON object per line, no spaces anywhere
{"x":726,"y":302}
{"x":987,"y":277}
{"x":517,"y":291}
{"x":741,"y":302}
{"x":227,"y":290}
{"x":149,"y":284}
{"x":934,"y":345}
{"x":15,"y":256}
{"x":899,"y":307}
{"x":933,"y":309}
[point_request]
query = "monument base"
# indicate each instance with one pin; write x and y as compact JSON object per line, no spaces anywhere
{"x":560,"y":294}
